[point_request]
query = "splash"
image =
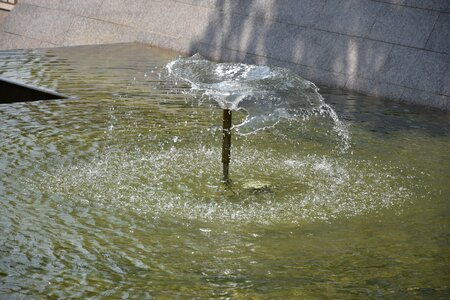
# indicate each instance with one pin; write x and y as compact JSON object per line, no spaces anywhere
{"x":180,"y":183}
{"x":266,"y":94}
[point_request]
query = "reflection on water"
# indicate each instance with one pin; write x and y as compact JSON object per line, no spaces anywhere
{"x":118,"y":194}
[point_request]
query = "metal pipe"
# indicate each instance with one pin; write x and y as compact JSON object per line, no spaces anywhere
{"x":226,"y":144}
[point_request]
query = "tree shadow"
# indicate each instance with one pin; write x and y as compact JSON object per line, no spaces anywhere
{"x":306,"y":36}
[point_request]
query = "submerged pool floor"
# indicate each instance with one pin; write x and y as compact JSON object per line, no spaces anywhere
{"x":117,"y":192}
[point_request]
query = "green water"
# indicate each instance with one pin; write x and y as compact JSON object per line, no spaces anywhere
{"x":117,"y":193}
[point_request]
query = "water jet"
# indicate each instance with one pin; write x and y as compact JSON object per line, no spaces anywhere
{"x":266,"y":95}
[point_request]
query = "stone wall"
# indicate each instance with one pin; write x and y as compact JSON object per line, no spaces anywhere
{"x":398,"y":49}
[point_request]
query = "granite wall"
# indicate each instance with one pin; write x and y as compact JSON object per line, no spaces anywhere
{"x":398,"y":49}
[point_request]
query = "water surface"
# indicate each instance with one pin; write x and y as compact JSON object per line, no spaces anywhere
{"x":117,"y":193}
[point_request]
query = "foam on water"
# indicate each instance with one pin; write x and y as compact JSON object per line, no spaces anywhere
{"x":182,"y":183}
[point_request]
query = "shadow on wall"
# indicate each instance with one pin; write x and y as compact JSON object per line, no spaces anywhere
{"x":337,"y":43}
{"x":363,"y":45}
{"x":303,"y":35}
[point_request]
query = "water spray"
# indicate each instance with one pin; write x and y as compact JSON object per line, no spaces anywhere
{"x":266,"y":94}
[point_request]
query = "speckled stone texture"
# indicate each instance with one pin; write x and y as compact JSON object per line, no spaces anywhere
{"x":398,"y":49}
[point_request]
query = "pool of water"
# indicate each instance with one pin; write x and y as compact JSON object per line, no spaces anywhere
{"x":117,"y":192}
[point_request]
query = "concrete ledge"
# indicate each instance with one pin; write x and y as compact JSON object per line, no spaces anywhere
{"x":15,"y":41}
{"x":6,"y":6}
{"x":46,"y":25}
{"x":398,"y":49}
{"x":92,"y":31}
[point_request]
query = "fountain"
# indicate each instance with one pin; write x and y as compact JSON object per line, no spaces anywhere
{"x":266,"y":94}
{"x":119,"y":191}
